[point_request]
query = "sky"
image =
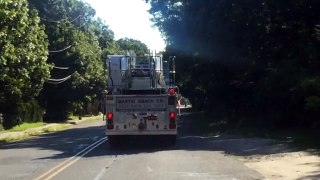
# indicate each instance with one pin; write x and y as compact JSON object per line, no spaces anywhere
{"x":129,"y":18}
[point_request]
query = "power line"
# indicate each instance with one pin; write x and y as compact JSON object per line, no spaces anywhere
{"x":63,"y":68}
{"x":54,"y":82}
{"x":75,"y":19}
{"x":58,"y":21}
{"x":63,"y":79}
{"x":61,"y":49}
{"x":58,"y":81}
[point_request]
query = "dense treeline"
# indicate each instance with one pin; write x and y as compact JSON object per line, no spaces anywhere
{"x":51,"y":55}
{"x":254,"y":62}
{"x":77,"y":41}
{"x":23,"y":55}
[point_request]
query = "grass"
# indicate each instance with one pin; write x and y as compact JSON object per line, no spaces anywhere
{"x":93,"y":118}
{"x":25,"y":126}
{"x":58,"y":127}
{"x":73,"y":117}
{"x":12,"y":136}
{"x":26,"y":130}
{"x":85,"y":118}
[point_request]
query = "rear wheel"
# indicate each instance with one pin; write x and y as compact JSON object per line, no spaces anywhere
{"x":172,"y":140}
{"x":113,"y":141}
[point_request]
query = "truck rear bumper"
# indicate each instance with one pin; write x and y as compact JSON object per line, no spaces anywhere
{"x":174,"y":132}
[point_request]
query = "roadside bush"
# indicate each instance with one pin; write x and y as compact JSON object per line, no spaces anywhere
{"x":1,"y":121}
{"x":30,"y":112}
{"x":313,"y":103}
{"x":10,"y":120}
{"x":311,"y":86}
{"x":23,"y":112}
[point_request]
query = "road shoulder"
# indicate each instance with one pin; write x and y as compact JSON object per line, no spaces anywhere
{"x":51,"y":127}
{"x":274,"y":158}
{"x":286,"y":165}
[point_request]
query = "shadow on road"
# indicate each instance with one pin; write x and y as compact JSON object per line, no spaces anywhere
{"x":67,"y":143}
{"x":316,"y":176}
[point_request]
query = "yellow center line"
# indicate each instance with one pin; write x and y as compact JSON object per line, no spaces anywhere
{"x":60,"y":167}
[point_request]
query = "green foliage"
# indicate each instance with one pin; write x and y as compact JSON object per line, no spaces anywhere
{"x":30,"y":112}
{"x":310,"y":93}
{"x":77,"y":107}
{"x":254,"y":62}
{"x":75,"y":39}
{"x":112,"y":48}
{"x":84,"y":42}
{"x":1,"y":122}
{"x":311,"y":87}
{"x":23,"y":62}
{"x":25,"y":126}
{"x":86,"y":55}
{"x":313,"y":103}
{"x":184,"y":101}
{"x":23,"y":47}
{"x":130,"y":44}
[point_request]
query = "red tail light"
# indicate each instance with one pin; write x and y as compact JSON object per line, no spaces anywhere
{"x":110,"y":120}
{"x":110,"y":115}
{"x":172,"y":115}
{"x":171,"y":91}
{"x":172,"y":120}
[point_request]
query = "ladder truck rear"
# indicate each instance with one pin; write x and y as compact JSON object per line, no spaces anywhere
{"x":141,"y":98}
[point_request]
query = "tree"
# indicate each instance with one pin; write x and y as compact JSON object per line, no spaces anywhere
{"x":131,"y":44}
{"x":23,"y":57}
{"x":246,"y":58}
{"x":80,"y":42}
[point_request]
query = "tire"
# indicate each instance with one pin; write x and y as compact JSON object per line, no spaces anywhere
{"x":172,"y":140}
{"x":113,"y":141}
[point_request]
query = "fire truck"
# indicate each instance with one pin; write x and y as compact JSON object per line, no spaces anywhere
{"x":141,"y":99}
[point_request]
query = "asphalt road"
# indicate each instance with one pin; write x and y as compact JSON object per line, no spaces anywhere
{"x":84,"y":153}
